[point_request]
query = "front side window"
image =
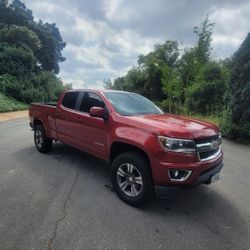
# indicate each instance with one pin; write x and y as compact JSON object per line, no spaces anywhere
{"x":91,"y":100}
{"x":69,"y":99}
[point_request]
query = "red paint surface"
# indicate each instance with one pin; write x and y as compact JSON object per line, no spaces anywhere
{"x":96,"y":136}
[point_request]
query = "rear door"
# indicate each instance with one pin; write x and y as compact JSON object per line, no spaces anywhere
{"x":66,"y":118}
{"x":92,"y":132}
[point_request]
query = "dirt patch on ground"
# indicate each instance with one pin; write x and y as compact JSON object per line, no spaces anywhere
{"x":13,"y":115}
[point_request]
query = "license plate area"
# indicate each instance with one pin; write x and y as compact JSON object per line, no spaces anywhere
{"x":215,"y":178}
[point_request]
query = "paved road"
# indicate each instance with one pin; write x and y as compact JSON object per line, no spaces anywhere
{"x":63,"y":200}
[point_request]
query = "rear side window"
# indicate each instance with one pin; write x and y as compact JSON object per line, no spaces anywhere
{"x":69,"y":99}
{"x":91,"y":100}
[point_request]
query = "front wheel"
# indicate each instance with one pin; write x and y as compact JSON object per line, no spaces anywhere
{"x":131,"y":178}
{"x":42,"y":142}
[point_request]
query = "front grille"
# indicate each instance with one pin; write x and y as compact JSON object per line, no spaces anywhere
{"x":209,"y":147}
{"x":206,"y":139}
{"x":206,"y":154}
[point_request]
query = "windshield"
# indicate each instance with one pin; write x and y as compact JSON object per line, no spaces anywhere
{"x":126,"y":103}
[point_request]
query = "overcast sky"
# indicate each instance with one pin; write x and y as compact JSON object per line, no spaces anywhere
{"x":104,"y":37}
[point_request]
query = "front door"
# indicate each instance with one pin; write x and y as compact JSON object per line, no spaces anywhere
{"x":92,"y":132}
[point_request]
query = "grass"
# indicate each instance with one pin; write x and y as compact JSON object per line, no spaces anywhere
{"x":9,"y":104}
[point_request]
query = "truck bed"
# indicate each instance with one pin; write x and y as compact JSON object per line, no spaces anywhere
{"x":44,"y":112}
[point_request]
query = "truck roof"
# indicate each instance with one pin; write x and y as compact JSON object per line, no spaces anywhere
{"x":98,"y":90}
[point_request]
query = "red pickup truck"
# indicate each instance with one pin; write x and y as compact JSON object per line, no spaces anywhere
{"x":149,"y":152}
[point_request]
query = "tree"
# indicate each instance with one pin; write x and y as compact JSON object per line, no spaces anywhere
{"x":119,"y":83}
{"x":207,"y":95}
{"x":236,"y":122}
{"x":4,"y":3}
{"x":20,"y":37}
{"x":152,"y":64}
{"x":15,"y":13}
{"x":107,"y":83}
{"x":30,"y":53}
{"x":203,"y":47}
{"x":172,"y":88}
{"x":49,"y":54}
{"x":193,"y":59}
{"x":16,"y":61}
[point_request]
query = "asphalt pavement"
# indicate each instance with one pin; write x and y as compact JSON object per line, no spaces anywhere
{"x":64,"y":200}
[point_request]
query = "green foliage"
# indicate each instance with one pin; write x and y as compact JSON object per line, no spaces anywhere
{"x":8,"y":104}
{"x":207,"y":118}
{"x":20,"y":37}
{"x":189,"y":67}
{"x":30,"y":53}
{"x":15,"y":13}
{"x":3,"y":3}
{"x":107,"y":83}
{"x":153,"y":66}
{"x":236,"y":122}
{"x":190,"y":83}
{"x":41,"y":87}
{"x":173,"y":90}
{"x":193,"y":59}
{"x":16,"y":61}
{"x":207,"y":94}
{"x":49,"y":55}
{"x":203,"y":47}
{"x":146,"y":79}
{"x":195,"y":84}
{"x":134,"y":81}
{"x":9,"y":86}
{"x":48,"y":48}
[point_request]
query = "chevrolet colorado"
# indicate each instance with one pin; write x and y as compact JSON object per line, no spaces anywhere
{"x":149,"y":152}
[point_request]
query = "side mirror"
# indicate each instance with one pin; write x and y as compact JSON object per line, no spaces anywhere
{"x":98,"y":112}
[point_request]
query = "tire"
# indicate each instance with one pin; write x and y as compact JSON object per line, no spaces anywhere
{"x":42,"y":142}
{"x":131,"y":178}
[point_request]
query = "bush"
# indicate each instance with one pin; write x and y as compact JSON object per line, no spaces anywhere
{"x":41,"y":87}
{"x":236,"y":123}
{"x":10,"y":86}
{"x":171,"y":107}
{"x":8,"y":104}
{"x":207,"y":94}
{"x":233,"y":131}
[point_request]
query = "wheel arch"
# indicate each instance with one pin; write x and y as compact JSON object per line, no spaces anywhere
{"x":36,"y":122}
{"x":119,"y":147}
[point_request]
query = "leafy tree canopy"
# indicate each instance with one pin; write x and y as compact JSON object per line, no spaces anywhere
{"x":237,"y":117}
{"x":30,"y":53}
{"x":51,"y":43}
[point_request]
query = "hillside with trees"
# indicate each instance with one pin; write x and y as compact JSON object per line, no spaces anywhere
{"x":30,"y":53}
{"x":192,"y":82}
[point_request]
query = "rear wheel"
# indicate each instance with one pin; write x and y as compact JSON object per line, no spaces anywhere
{"x":131,"y":178}
{"x":42,"y":142}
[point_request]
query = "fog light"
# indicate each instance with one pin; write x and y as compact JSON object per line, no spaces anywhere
{"x":179,"y":175}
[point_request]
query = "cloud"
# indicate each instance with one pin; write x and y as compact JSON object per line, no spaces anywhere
{"x":105,"y":37}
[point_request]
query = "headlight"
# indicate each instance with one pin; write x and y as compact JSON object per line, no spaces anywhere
{"x":177,"y":145}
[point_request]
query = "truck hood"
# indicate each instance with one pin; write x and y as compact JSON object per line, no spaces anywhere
{"x":176,"y":126}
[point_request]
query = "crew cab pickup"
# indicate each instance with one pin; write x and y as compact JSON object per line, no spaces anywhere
{"x":149,"y":152}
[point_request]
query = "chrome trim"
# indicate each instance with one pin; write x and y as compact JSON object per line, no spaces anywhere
{"x":99,"y":143}
{"x":211,"y":157}
{"x":202,"y":147}
{"x":189,"y":172}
